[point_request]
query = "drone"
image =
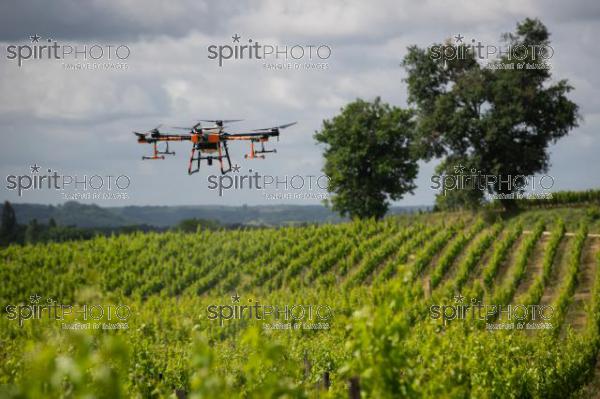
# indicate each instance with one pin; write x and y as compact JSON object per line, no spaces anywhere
{"x":209,"y":143}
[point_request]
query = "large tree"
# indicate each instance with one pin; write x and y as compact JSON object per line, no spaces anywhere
{"x":368,"y":157}
{"x":497,"y":121}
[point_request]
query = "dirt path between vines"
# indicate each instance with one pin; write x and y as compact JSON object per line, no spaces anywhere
{"x":534,"y":266}
{"x":453,"y":269}
{"x":577,"y":316}
{"x":508,"y":262}
{"x":576,"y":313}
{"x":558,"y":271}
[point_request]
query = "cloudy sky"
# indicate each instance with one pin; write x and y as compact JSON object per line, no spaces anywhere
{"x":80,"y":122}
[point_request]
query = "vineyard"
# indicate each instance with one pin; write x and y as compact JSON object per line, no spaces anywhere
{"x":385,"y":309}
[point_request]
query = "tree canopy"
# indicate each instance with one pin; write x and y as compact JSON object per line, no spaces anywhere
{"x":499,"y":121}
{"x":368,"y":157}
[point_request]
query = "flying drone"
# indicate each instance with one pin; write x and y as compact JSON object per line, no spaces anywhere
{"x":209,"y":143}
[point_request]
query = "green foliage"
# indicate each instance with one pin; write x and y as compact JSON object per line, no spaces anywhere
{"x":503,"y":294}
{"x":452,"y":251}
{"x":535,"y":292}
{"x":381,"y":331}
{"x":33,"y":232}
{"x":192,"y":225}
{"x":499,"y":121}
{"x":94,"y":367}
{"x":368,"y":157}
{"x":473,"y":255}
{"x":403,"y":253}
{"x":266,"y":371}
{"x":499,"y":255}
{"x":568,"y":285}
{"x":377,"y":257}
{"x":426,"y":254}
{"x":456,"y":197}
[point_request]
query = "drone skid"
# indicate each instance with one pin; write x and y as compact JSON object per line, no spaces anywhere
{"x":153,"y":157}
{"x":254,"y":153}
{"x":223,"y":155}
{"x":158,"y":154}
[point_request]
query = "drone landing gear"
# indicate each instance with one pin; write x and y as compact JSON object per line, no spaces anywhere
{"x":261,"y":152}
{"x":223,"y":155}
{"x":223,"y":170}
{"x":192,"y":159}
{"x":159,"y":154}
{"x":156,"y":153}
{"x":166,"y":151}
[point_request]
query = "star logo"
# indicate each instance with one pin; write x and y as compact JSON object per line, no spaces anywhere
{"x":236,"y":168}
{"x":459,"y":169}
{"x":35,"y":38}
{"x":35,"y":168}
{"x":458,"y":298}
{"x":236,"y":38}
{"x":459,"y":38}
{"x":35,"y":298}
{"x":235,"y":298}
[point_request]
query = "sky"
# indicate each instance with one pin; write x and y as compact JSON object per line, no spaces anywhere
{"x":80,"y":122}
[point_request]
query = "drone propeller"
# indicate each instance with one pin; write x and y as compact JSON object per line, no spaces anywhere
{"x":153,"y":132}
{"x":275,"y":128}
{"x":219,"y":122}
{"x":189,"y":129}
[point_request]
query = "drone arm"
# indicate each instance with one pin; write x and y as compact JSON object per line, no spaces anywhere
{"x":249,"y":136}
{"x":172,"y":137}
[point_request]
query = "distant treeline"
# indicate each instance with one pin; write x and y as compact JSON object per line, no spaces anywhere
{"x":72,"y":213}
{"x":13,"y":232}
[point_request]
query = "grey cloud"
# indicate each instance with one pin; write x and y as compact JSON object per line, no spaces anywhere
{"x":116,"y":20}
